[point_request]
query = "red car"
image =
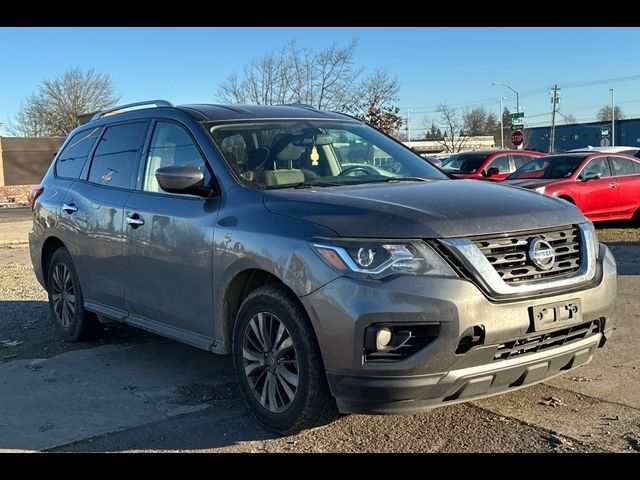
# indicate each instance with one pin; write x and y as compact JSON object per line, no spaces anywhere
{"x":493,"y":165}
{"x":605,"y":186}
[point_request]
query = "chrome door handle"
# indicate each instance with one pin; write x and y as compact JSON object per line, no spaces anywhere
{"x":70,"y":207}
{"x":135,"y":220}
{"x":613,"y":185}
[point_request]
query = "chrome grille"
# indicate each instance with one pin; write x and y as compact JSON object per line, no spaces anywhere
{"x":508,"y":254}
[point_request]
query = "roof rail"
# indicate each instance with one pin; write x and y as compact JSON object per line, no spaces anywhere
{"x":118,"y":109}
{"x":301,"y":105}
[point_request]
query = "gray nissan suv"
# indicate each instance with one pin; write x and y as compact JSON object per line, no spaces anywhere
{"x":342,"y":272}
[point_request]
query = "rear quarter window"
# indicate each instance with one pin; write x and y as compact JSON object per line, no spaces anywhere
{"x":71,"y":160}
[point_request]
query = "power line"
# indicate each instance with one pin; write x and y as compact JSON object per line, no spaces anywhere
{"x":528,"y":93}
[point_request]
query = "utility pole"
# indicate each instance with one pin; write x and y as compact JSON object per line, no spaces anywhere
{"x":555,"y":99}
{"x":613,"y":119}
{"x":501,"y":124}
{"x":409,"y":126}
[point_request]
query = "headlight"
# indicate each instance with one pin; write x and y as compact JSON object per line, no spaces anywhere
{"x":539,"y":189}
{"x":379,"y":259}
{"x":594,"y":236}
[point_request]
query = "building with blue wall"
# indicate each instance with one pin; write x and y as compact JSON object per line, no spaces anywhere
{"x":579,"y":135}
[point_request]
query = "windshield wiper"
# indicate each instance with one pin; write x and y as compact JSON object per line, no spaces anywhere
{"x":407,"y":179}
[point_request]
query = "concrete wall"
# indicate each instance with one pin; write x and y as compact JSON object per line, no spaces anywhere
{"x":472,"y":143}
{"x":24,"y":160}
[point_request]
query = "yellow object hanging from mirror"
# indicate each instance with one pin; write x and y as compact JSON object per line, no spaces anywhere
{"x":314,"y":156}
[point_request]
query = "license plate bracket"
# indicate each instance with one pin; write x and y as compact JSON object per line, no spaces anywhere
{"x":558,"y":314}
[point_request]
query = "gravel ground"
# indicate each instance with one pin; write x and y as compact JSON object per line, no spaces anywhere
{"x":24,"y":318}
{"x":628,"y":231}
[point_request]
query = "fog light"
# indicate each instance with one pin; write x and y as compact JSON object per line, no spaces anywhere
{"x":383,"y":338}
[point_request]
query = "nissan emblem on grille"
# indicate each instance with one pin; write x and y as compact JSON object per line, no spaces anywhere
{"x":542,"y":254}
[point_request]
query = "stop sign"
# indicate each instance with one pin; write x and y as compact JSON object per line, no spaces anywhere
{"x":517,"y":137}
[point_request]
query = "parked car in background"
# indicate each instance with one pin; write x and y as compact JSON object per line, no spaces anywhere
{"x":633,"y":151}
{"x":604,"y":186}
{"x":493,"y":165}
{"x":435,"y":161}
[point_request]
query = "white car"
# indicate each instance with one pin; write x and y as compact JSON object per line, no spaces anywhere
{"x":633,"y":151}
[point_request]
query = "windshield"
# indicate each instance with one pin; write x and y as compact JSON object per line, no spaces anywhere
{"x":559,"y":166}
{"x":464,"y":162}
{"x":287,"y":153}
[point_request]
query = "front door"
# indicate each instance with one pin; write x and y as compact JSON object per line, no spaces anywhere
{"x":169,"y":240}
{"x":501,"y":162}
{"x":599,"y":197}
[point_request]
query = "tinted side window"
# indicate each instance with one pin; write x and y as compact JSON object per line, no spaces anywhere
{"x":501,"y":162}
{"x":597,"y":165}
{"x":636,"y":167}
{"x":115,"y":162}
{"x":170,"y":145}
{"x":72,"y":159}
{"x":622,"y":166}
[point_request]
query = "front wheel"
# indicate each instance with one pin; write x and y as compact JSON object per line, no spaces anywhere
{"x":278,"y":363}
{"x":66,"y":302}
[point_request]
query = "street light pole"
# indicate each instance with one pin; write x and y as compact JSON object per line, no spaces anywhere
{"x":519,"y":147}
{"x":501,"y":124}
{"x":613,"y":119}
{"x":514,"y":91}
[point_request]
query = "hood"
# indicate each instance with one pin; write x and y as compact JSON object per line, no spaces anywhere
{"x":530,"y":183}
{"x":438,"y":209}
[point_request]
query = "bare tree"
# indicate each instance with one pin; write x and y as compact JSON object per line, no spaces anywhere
{"x":454,"y":137}
{"x":378,"y":106}
{"x":53,"y":109}
{"x":569,"y":118}
{"x":475,"y":121}
{"x":326,"y":79}
{"x":604,"y":114}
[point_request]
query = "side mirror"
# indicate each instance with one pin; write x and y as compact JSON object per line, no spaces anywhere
{"x":591,"y":176}
{"x":492,"y":171}
{"x":187,"y":179}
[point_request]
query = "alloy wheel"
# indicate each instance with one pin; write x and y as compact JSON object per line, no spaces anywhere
{"x":63,"y":295}
{"x":270,"y":362}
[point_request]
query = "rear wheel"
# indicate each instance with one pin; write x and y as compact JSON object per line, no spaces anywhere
{"x":66,"y":301}
{"x":278,"y":363}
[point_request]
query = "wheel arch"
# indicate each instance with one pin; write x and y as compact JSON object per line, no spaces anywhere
{"x":242,"y":284}
{"x":567,"y":198}
{"x":50,"y":245}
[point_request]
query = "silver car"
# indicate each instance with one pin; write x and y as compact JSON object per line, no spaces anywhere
{"x":342,"y":271}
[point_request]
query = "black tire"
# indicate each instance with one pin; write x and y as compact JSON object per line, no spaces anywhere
{"x":312,"y":404}
{"x":74,"y":323}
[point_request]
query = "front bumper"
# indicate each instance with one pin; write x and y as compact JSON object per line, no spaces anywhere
{"x":434,"y":376}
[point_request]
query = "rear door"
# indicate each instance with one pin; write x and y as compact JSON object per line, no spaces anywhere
{"x":93,"y":212}
{"x":624,"y":170}
{"x":169,"y":239}
{"x":598,"y":198}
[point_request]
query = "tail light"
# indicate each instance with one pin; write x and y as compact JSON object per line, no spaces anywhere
{"x":34,"y":194}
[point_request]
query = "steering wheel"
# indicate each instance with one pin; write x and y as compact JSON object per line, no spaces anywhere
{"x":367,"y":170}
